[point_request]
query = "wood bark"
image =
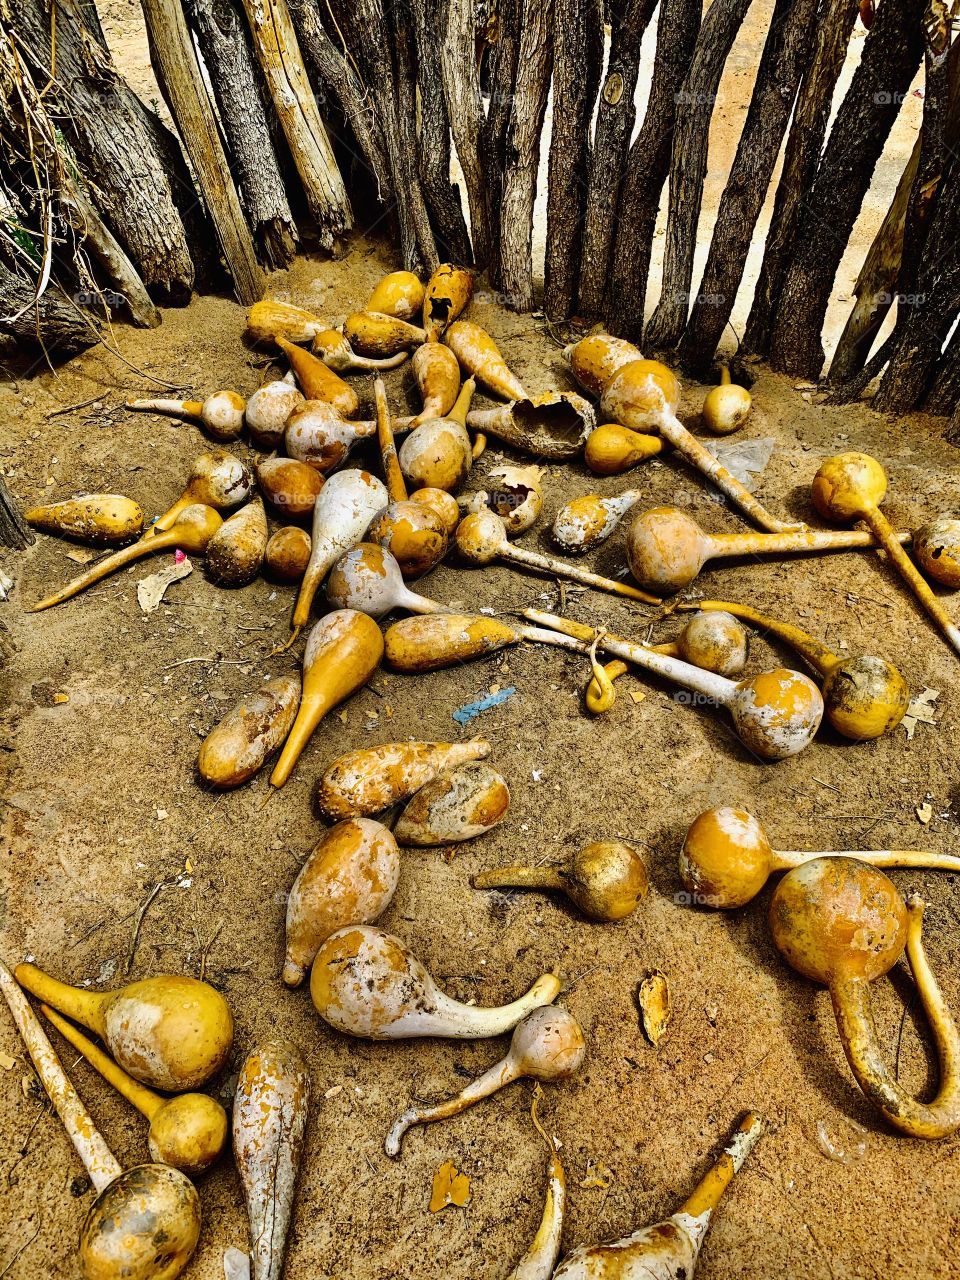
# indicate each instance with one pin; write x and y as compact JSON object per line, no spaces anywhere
{"x":434,"y":151}
{"x":401,"y":26}
{"x":503,"y":51}
{"x":14,"y":530}
{"x":224,"y":44}
{"x":616,"y":112}
{"x":51,"y":325}
{"x":523,"y":153}
{"x":891,"y":55}
{"x":944,"y":397}
{"x":804,"y":146}
{"x":782,"y":61}
{"x":339,"y":77}
{"x":108,"y":253}
{"x":647,"y":167}
{"x":461,"y":87}
{"x":688,"y":167}
{"x":278,"y":53}
{"x":934,"y":307}
{"x":876,"y":284}
{"x":190,"y":107}
{"x":577,"y":61}
{"x":113,"y":146}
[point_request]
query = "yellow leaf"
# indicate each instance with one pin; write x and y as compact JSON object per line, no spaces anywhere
{"x":60,"y":698}
{"x":450,"y":1186}
{"x":924,"y":813}
{"x":637,"y":695}
{"x":598,"y":1177}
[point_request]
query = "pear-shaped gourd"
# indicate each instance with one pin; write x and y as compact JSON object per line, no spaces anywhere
{"x":349,"y":878}
{"x":270,"y":1111}
{"x":342,"y":652}
{"x":596,"y":358}
{"x":221,"y":415}
{"x":268,"y":320}
{"x":217,"y":479}
{"x":548,"y":1045}
{"x":102,"y":519}
{"x":169,"y":1031}
{"x":459,"y":804}
{"x":290,"y":487}
{"x":187,"y":1132}
{"x":268,"y":410}
{"x":317,"y":433}
{"x":372,"y":333}
{"x":726,"y":407}
{"x":375,"y":778}
{"x":287,"y":554}
{"x":235,"y":552}
{"x":191,"y":532}
{"x":437,"y":453}
{"x":480,"y":358}
{"x":238,"y":747}
{"x":437,"y":371}
{"x":367,"y":983}
{"x":399,"y":294}
{"x":611,"y":449}
{"x":318,"y":382}
{"x":606,"y":879}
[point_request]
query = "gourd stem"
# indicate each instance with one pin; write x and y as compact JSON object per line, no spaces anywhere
{"x":178,"y":408}
{"x":908,"y":571}
{"x":822,"y":659}
{"x":706,"y":682}
{"x":97,"y":1157}
{"x":495,"y":1078}
{"x":396,"y":485}
{"x":741,"y":544}
{"x":169,"y":517}
{"x":145,"y":1100}
{"x":784,"y":859}
{"x":460,"y":1021}
{"x":462,"y":403}
{"x":535,"y":560}
{"x":853,"y":1009}
{"x":83,"y":1006}
{"x":706,"y":1195}
{"x":672,"y":429}
{"x":417,"y":603}
{"x":521,"y":878}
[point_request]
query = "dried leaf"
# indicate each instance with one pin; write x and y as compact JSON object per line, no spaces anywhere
{"x":598,"y":1177}
{"x":924,"y":812}
{"x":920,"y":710}
{"x":654,"y":1000}
{"x":637,"y":695}
{"x":6,"y":1062}
{"x":150,"y":591}
{"x":450,"y":1186}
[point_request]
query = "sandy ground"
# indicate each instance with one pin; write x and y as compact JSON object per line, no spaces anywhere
{"x":104,"y":804}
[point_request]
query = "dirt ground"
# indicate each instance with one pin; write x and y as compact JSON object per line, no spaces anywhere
{"x":103,"y":805}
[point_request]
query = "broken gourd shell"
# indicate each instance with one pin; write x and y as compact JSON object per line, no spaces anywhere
{"x":937,"y":549}
{"x":375,"y":778}
{"x":268,"y":410}
{"x":611,"y":449}
{"x":479,"y":356}
{"x":372,"y":334}
{"x":349,"y":878}
{"x":554,"y":425}
{"x":638,"y":393}
{"x":290,"y":487}
{"x":102,"y":519}
{"x":459,"y":804}
{"x":269,"y":320}
{"x":169,"y":1031}
{"x":596,"y":358}
{"x":287,"y":554}
{"x":318,"y":382}
{"x":516,"y":497}
{"x":399,"y":294}
{"x":239,"y":746}
{"x":235,"y":552}
{"x":448,"y":292}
